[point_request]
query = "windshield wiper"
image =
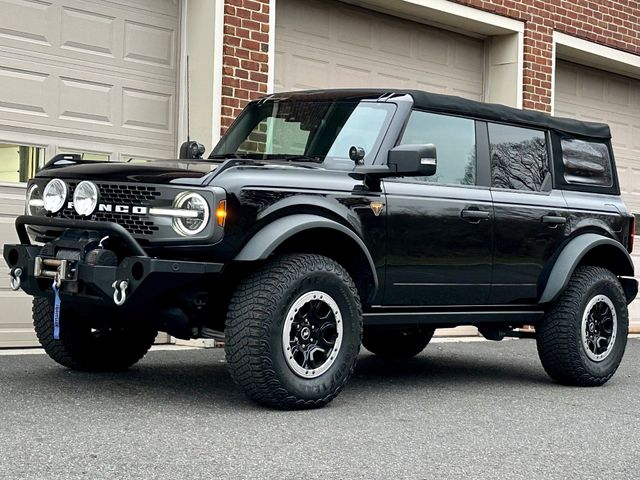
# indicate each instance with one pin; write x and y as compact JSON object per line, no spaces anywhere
{"x":218,"y":156}
{"x":299,"y":158}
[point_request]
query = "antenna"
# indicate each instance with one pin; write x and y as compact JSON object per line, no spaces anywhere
{"x":188,"y":104}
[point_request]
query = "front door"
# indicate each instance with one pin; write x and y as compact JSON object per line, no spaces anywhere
{"x":439,"y":228}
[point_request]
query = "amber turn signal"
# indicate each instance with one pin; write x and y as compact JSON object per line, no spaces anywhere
{"x":221,"y":212}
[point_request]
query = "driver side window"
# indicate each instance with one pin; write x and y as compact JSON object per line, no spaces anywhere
{"x":455,"y":140}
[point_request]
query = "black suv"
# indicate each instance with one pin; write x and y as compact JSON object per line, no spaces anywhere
{"x":327,"y":219}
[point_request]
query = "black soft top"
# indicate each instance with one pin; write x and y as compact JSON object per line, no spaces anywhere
{"x":436,"y":102}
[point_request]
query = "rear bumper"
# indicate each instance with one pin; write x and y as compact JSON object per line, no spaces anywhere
{"x":33,"y":267}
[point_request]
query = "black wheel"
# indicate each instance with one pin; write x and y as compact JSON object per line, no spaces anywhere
{"x":396,"y":343}
{"x":87,"y":347}
{"x":293,"y":331}
{"x":582,"y":338}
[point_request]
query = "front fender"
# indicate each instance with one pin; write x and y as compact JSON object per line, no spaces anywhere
{"x":266,"y":240}
{"x":571,"y":256}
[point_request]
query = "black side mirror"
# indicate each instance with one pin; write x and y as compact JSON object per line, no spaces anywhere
{"x":413,"y":160}
{"x":191,"y":150}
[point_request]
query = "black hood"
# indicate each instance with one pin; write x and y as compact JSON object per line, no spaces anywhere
{"x":186,"y":172}
{"x":178,"y":172}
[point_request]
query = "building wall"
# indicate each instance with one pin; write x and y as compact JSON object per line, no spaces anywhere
{"x":245,"y":58}
{"x":610,"y":23}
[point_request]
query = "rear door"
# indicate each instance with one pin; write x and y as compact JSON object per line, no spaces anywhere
{"x":530,"y":217}
{"x":439,"y":237}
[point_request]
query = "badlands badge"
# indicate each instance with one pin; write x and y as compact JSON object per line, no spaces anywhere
{"x":376,"y":207}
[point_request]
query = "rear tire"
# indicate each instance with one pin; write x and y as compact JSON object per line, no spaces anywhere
{"x":81,"y":347}
{"x":293,"y":332}
{"x":582,"y":339}
{"x":396,"y":343}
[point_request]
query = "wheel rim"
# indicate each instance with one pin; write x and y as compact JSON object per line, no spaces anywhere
{"x":599,"y":326}
{"x":312,"y":334}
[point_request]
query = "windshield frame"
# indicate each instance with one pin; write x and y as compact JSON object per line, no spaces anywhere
{"x":333,"y":162}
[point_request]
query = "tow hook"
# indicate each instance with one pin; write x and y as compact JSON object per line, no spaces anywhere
{"x":120,"y":292}
{"x":15,"y":280}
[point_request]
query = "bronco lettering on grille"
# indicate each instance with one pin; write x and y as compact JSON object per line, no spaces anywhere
{"x":134,"y":209}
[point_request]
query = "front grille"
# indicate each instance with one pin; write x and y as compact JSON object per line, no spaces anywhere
{"x":121,"y":194}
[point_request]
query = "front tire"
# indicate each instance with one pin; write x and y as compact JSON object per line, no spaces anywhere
{"x":83,"y":347}
{"x":396,"y":343}
{"x":293,"y":332}
{"x":582,"y":339}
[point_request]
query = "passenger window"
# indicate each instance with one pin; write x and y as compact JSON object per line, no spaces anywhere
{"x":455,"y":141}
{"x":586,"y":163}
{"x":519,"y":159}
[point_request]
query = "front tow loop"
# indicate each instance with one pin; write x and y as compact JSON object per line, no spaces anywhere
{"x":120,"y":292}
{"x":15,"y":280}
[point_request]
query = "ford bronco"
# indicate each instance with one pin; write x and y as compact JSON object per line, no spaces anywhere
{"x":324,"y":220}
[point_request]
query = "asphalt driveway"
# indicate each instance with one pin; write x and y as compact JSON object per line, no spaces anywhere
{"x":459,"y":410}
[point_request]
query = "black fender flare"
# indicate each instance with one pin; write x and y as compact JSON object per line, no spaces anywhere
{"x":570,"y":257}
{"x":266,"y":240}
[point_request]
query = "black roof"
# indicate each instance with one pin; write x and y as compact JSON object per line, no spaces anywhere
{"x":436,"y":102}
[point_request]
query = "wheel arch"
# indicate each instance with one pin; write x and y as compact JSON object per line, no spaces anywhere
{"x":590,"y":249}
{"x":309,"y":233}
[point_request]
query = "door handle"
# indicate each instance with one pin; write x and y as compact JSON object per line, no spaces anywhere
{"x":554,"y":220}
{"x":474,"y":216}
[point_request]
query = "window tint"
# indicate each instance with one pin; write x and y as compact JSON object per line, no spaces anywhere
{"x":455,"y":141}
{"x":586,"y":163}
{"x":519,"y":158}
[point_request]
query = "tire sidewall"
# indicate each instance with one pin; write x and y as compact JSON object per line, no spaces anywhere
{"x":605,"y":367}
{"x":325,"y":384}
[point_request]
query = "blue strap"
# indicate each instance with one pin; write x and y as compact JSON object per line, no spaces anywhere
{"x":56,"y":312}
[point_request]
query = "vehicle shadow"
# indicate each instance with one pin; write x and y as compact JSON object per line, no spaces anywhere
{"x":199,"y":378}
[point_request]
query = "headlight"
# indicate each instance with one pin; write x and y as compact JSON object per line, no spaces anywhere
{"x":34,"y":203}
{"x":85,"y":198}
{"x":55,"y":195}
{"x":195,"y":216}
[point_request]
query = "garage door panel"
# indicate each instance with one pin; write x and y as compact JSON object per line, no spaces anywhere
{"x":66,"y":97}
{"x":89,"y":33}
{"x":362,"y":48}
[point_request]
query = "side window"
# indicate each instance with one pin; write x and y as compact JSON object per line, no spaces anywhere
{"x":455,"y":141}
{"x":519,"y":159}
{"x":586,"y":163}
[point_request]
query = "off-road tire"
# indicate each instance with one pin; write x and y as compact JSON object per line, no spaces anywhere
{"x":255,"y":321}
{"x":560,"y":347}
{"x":80,"y":347}
{"x":396,"y":343}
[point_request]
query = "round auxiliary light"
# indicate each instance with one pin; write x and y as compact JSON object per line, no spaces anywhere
{"x":195,"y":222}
{"x":54,"y":195}
{"x":85,"y":198}
{"x":34,"y":203}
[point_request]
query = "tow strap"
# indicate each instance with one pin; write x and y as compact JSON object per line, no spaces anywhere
{"x":56,"y":312}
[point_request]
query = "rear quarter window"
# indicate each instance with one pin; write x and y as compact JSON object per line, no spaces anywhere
{"x":586,"y":163}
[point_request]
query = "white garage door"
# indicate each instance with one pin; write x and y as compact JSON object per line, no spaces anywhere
{"x":327,"y":44}
{"x":87,"y":76}
{"x":590,"y":94}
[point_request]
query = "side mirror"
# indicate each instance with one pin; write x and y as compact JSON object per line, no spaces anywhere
{"x":413,"y":160}
{"x":191,"y":150}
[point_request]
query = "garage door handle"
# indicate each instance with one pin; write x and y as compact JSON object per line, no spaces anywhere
{"x":474,"y":216}
{"x":554,"y":220}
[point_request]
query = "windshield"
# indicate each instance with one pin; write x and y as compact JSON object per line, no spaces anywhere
{"x":312,"y":131}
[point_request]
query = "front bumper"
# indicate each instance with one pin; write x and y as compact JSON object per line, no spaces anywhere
{"x":35,"y":268}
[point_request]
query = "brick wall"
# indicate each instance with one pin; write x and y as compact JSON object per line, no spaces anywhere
{"x":610,"y":23}
{"x":245,"y":55}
